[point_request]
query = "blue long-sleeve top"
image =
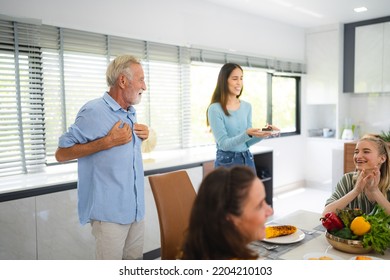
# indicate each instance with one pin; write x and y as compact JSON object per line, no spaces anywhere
{"x":230,"y":131}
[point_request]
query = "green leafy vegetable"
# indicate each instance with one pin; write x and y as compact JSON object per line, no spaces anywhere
{"x":345,"y":233}
{"x":347,"y":215}
{"x":379,"y":235}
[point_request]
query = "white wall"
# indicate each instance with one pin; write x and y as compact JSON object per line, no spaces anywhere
{"x":179,"y":22}
{"x":371,"y":112}
{"x":185,"y":23}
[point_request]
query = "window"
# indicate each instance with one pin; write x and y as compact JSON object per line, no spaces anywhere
{"x":22,"y":131}
{"x":279,"y":108}
{"x":285,"y":103}
{"x":203,"y":80}
{"x":47,"y":73}
{"x":255,"y":91}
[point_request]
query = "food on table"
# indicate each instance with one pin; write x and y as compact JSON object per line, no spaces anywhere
{"x":331,"y":221}
{"x":347,"y":215}
{"x":321,"y":258}
{"x":360,"y":226}
{"x":276,"y":231}
{"x":363,"y":258}
{"x":372,"y":230}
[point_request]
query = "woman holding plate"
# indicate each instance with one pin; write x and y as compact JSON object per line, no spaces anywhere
{"x":230,"y":120}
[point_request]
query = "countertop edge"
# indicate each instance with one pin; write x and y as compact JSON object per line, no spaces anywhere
{"x":63,"y":177}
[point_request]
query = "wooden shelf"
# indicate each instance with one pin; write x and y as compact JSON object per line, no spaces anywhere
{"x":349,"y":149}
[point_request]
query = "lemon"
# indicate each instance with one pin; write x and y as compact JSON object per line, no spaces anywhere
{"x":359,"y":226}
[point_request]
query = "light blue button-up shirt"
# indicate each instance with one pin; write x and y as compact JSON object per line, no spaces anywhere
{"x":110,"y":182}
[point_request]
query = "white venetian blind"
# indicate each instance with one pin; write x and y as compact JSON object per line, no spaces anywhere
{"x":22,"y":137}
{"x":85,"y":63}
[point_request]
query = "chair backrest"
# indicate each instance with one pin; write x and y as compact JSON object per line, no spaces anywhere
{"x":174,"y":196}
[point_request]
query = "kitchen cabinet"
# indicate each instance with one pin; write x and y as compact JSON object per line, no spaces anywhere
{"x":367,"y":56}
{"x":264,"y":170}
{"x":18,"y":238}
{"x":323,"y":49}
{"x":322,"y":57}
{"x":46,"y":227}
{"x":38,"y":212}
{"x":372,"y":55}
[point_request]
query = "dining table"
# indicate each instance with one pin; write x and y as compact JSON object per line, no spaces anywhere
{"x":312,"y":243}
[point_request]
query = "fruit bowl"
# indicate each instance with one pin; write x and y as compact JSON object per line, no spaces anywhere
{"x":347,"y":245}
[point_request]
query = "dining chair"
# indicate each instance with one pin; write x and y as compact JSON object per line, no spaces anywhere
{"x":174,"y":196}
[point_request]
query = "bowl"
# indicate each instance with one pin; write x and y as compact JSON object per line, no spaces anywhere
{"x":347,"y":245}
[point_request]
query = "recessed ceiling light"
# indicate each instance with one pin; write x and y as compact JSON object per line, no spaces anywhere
{"x":360,"y":9}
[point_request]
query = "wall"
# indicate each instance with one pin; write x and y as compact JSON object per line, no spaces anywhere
{"x":185,"y":23}
{"x":370,"y":111}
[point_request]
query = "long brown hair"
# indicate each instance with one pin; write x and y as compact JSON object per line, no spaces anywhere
{"x":211,"y":235}
{"x":221,"y":91}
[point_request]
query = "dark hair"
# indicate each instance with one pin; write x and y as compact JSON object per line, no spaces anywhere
{"x":221,"y":90}
{"x":211,"y":235}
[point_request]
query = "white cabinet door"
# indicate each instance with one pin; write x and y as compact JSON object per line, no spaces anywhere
{"x":322,"y":67}
{"x":369,"y":58}
{"x":18,"y":239}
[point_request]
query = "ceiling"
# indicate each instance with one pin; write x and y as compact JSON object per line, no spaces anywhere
{"x":310,"y":13}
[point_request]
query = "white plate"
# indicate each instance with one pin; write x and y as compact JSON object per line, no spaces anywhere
{"x":287,"y":239}
{"x":374,"y":258}
{"x":317,"y":255}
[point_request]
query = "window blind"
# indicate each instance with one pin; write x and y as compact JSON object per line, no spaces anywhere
{"x":47,"y":73}
{"x":243,"y":60}
{"x":22,"y":135}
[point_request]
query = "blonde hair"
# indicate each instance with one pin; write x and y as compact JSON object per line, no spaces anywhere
{"x":383,"y":150}
{"x":121,"y":65}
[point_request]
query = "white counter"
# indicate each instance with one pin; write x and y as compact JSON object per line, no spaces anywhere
{"x":154,"y":162}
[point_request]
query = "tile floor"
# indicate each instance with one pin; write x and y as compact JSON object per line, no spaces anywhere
{"x":311,"y":199}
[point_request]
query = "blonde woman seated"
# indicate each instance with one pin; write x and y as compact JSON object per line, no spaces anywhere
{"x":229,"y":212}
{"x":370,"y":184}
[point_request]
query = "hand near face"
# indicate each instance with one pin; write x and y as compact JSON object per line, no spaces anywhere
{"x":368,"y":180}
{"x":120,"y":134}
{"x":372,"y":178}
{"x":141,"y":130}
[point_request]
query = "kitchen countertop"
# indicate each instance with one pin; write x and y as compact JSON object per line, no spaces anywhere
{"x":154,"y":162}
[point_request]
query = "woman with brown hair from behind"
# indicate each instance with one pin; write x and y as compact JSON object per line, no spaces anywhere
{"x":229,"y":212}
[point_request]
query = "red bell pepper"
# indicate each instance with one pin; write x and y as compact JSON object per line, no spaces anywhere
{"x":331,"y":221}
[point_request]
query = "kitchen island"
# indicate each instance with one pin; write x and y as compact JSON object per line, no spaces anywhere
{"x":38,"y":212}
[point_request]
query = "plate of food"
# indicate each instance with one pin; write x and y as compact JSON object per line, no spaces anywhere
{"x":273,"y":132}
{"x":321,"y":256}
{"x":283,"y":234}
{"x":364,"y":258}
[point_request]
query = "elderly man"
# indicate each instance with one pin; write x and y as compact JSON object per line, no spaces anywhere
{"x":106,"y":139}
